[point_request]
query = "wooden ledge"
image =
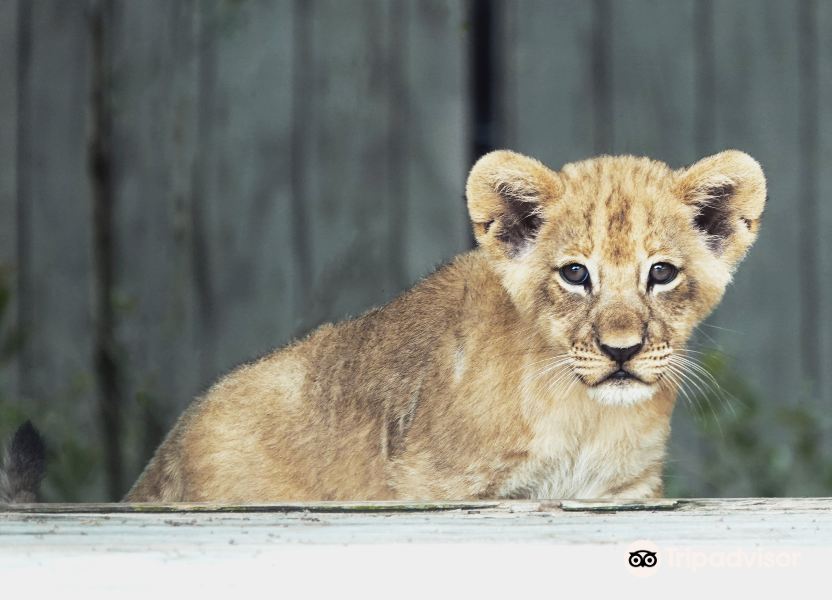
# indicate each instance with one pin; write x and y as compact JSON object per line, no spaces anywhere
{"x":183,"y":550}
{"x":495,"y":506}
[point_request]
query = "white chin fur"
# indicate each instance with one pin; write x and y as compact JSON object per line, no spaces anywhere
{"x":621,"y":394}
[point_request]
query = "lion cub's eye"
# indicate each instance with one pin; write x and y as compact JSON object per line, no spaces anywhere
{"x":661,"y":273}
{"x":575,"y":274}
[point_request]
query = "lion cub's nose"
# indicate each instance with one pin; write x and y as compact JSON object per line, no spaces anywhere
{"x":621,"y":355}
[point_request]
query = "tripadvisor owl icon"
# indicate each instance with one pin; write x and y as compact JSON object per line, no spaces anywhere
{"x":643,"y":558}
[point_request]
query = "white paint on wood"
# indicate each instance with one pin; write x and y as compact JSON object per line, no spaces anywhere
{"x":35,"y":531}
{"x":512,"y":549}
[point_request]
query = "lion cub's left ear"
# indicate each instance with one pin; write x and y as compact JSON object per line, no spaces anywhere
{"x":506,"y":192}
{"x":728,"y":191}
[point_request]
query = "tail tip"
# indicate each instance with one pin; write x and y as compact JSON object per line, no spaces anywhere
{"x":28,"y":450}
{"x":24,"y":466}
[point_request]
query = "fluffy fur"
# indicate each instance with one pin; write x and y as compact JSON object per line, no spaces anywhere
{"x":23,"y":466}
{"x":487,"y":379}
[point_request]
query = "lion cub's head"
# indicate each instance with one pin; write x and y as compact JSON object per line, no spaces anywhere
{"x":617,"y":258}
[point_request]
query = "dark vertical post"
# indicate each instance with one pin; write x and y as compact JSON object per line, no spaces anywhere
{"x":103,"y":198}
{"x":484,"y":81}
{"x":484,"y":50}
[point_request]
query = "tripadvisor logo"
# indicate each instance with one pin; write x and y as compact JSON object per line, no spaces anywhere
{"x":642,"y":558}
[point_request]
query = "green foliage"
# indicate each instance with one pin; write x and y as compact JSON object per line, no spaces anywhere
{"x":73,"y":465}
{"x":752,"y":447}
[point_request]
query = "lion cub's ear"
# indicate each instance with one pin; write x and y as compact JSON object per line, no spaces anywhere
{"x":729,"y":192}
{"x":505,"y":192}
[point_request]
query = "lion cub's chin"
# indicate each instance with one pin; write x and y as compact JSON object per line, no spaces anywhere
{"x":625,"y":393}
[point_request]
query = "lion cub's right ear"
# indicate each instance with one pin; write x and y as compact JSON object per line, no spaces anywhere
{"x":505,"y":192}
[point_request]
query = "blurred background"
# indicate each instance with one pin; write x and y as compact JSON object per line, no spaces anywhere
{"x":186,"y":185}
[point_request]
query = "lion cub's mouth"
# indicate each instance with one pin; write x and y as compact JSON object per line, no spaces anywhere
{"x":621,"y":375}
{"x":621,"y":387}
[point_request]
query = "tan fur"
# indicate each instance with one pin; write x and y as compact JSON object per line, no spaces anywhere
{"x":485,"y":379}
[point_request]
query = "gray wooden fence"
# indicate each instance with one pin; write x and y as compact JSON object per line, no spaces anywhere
{"x":185,"y":185}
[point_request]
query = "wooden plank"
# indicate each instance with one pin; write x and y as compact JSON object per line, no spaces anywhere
{"x":546,"y":78}
{"x":30,"y":529}
{"x":653,"y":80}
{"x":154,"y":55}
{"x":344,"y":163}
{"x":385,"y":506}
{"x":56,"y":293}
{"x":756,"y":50}
{"x":429,"y":127}
{"x":697,"y":505}
{"x":823,"y":223}
{"x":9,"y":63}
{"x":243,"y":208}
{"x":513,"y":546}
{"x":757,"y":47}
{"x":228,"y":197}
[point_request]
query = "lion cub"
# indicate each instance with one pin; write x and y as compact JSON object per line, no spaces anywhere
{"x":542,"y":364}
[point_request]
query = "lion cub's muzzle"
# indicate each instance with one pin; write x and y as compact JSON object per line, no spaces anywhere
{"x":620,"y":356}
{"x":598,"y":363}
{"x":620,"y":375}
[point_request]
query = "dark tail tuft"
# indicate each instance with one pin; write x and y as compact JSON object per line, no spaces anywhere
{"x":23,"y":467}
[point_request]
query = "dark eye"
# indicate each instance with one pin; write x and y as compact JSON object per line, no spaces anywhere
{"x":575,"y":274}
{"x":662,"y":273}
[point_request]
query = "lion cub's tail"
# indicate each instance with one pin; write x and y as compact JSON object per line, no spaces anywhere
{"x":23,"y":466}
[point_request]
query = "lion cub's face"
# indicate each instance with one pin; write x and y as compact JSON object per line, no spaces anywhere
{"x":616,"y":259}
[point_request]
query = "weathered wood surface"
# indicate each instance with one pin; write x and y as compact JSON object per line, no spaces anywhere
{"x":178,"y":531}
{"x":274,"y":165}
{"x":818,"y":101}
{"x":153,"y":54}
{"x":54,"y":263}
{"x":548,"y":80}
{"x":769,"y":32}
{"x":9,"y":64}
{"x":484,"y":549}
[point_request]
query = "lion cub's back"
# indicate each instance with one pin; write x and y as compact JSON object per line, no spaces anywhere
{"x":258,"y":436}
{"x":310,"y":421}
